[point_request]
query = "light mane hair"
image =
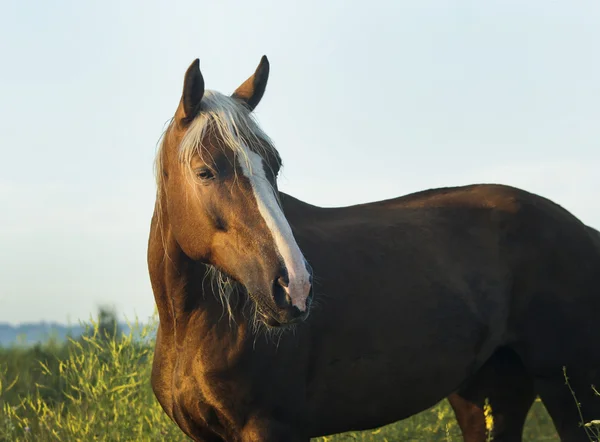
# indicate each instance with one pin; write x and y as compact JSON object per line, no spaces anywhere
{"x":228,"y":118}
{"x":233,"y":122}
{"x":235,"y":125}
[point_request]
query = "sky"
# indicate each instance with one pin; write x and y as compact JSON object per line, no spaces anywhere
{"x":365,"y":101}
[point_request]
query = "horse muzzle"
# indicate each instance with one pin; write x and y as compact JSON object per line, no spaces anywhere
{"x":292,"y":300}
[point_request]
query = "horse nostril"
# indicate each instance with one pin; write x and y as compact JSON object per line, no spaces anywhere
{"x":283,"y":281}
{"x":280,"y":294}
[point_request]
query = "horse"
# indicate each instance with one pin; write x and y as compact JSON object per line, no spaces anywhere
{"x":510,"y":390}
{"x":280,"y":320}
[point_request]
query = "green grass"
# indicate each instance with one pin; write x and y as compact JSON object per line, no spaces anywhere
{"x":96,"y":388}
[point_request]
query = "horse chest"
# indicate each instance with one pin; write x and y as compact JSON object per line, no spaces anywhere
{"x":210,"y":397}
{"x":198,"y":411}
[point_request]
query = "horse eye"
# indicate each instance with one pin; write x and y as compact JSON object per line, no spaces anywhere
{"x":205,"y":174}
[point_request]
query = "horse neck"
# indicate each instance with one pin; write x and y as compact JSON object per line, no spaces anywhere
{"x":298,"y":212}
{"x":303,"y":218}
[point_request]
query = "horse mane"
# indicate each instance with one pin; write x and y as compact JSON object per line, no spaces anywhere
{"x":230,"y":120}
{"x":226,"y":117}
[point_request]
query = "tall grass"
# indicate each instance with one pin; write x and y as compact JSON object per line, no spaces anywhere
{"x":93,"y":388}
{"x":97,"y":387}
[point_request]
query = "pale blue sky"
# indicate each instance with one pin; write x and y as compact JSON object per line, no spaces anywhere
{"x":366,"y":100}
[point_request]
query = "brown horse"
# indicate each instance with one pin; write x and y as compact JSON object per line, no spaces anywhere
{"x":505,"y":382}
{"x":412,"y":296}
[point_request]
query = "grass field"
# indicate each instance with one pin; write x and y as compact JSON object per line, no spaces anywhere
{"x":95,"y":388}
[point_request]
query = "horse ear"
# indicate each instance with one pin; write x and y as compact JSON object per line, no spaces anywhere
{"x":193,"y":91}
{"x":252,"y":90}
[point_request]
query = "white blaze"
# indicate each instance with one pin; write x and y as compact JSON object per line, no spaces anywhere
{"x":299,"y":285}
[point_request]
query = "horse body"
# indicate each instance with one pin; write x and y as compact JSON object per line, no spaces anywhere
{"x":413,"y":297}
{"x":378,"y":336}
{"x":437,"y":301}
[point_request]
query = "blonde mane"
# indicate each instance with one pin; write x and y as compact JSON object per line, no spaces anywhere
{"x":229,"y":119}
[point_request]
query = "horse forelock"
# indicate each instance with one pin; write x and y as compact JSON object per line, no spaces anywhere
{"x":226,"y":117}
{"x":233,"y":123}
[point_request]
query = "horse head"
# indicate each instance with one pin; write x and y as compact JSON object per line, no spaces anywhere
{"x":217,"y":180}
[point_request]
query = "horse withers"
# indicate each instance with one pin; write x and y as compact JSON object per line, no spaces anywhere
{"x":411,"y":297}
